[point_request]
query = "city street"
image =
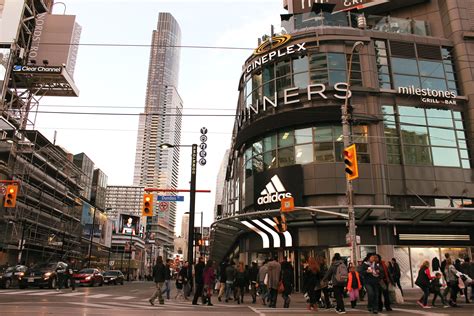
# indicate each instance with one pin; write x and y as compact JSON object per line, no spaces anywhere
{"x":132,"y":299}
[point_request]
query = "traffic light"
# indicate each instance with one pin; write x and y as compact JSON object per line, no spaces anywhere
{"x":10,"y":196}
{"x":280,"y":223}
{"x":350,"y":160}
{"x":147,"y":208}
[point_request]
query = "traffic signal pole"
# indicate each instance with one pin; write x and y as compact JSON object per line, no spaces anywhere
{"x":192,"y":206}
{"x":346,"y":133}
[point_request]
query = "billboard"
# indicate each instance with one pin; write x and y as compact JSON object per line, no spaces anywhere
{"x":102,"y":229}
{"x":11,"y":12}
{"x":129,"y":224}
{"x":4,"y":62}
{"x":302,"y":6}
{"x":51,"y":33}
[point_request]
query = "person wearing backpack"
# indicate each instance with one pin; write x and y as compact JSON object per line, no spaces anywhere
{"x":338,"y":275}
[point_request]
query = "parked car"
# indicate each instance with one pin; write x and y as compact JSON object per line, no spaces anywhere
{"x":113,"y":277}
{"x":12,"y":276}
{"x":89,"y":276}
{"x":45,"y":275}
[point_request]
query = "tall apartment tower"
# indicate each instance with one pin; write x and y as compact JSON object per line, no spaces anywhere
{"x":161,"y":123}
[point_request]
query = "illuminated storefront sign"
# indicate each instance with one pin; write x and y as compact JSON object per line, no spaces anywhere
{"x":268,"y":56}
{"x":430,"y":95}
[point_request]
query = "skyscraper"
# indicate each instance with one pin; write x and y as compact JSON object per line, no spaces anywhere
{"x":161,"y":123}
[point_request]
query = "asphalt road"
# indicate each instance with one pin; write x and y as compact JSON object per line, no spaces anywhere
{"x":132,"y":299}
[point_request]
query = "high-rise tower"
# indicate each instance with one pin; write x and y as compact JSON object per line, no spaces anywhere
{"x":161,"y":122}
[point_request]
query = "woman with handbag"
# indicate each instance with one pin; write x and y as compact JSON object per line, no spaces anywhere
{"x":287,"y":282}
{"x":423,"y":282}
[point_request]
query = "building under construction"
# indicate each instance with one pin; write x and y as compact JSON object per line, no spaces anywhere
{"x":45,"y":222}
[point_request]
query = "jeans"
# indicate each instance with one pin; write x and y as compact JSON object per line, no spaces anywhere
{"x":453,"y":287}
{"x":253,"y":291}
{"x":228,"y":289}
{"x":263,"y":292}
{"x":426,"y":294}
{"x":157,"y":294}
{"x":372,"y":297}
{"x":273,"y":298}
{"x":338,"y":295}
{"x":386,"y":298}
{"x":167,"y":289}
{"x":397,"y":283}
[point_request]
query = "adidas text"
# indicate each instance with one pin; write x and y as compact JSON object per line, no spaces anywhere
{"x":272,"y":198}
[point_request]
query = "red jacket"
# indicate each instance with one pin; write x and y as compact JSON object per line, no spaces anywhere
{"x":349,"y":281}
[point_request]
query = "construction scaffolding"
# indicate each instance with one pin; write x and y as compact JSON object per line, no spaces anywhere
{"x":46,"y":222}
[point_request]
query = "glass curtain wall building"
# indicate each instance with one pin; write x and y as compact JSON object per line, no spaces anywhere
{"x":410,"y":121}
{"x":161,"y":123}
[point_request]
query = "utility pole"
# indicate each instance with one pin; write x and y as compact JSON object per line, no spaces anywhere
{"x":346,"y":132}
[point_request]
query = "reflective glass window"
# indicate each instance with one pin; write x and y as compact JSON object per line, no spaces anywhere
{"x":464,"y":154}
{"x":257,"y":163}
{"x":270,"y":142}
{"x":441,"y":118}
{"x":433,"y":83}
{"x":416,"y":135}
{"x":442,"y":137}
{"x":248,"y":168}
{"x":283,"y":83}
{"x":431,"y":68}
{"x":324,"y":152}
{"x":282,"y":68}
{"x":406,"y":81}
{"x":318,"y":61}
{"x":301,"y":80}
{"x":248,"y":153}
{"x":286,"y":138}
{"x":337,"y":61}
{"x":336,"y":76}
{"x":417,"y":155}
{"x":268,"y":73}
{"x":269,"y":90}
{"x":412,"y":115}
{"x":466,"y":164}
{"x":304,"y":154}
{"x":286,"y":156}
{"x":446,"y":157}
{"x":322,"y":134}
{"x":269,"y":159}
{"x":404,"y":66}
{"x":303,"y":136}
{"x":300,"y":64}
{"x":257,"y":148}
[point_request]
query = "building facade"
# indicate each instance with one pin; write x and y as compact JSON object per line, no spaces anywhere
{"x":160,"y":123}
{"x":410,"y":96}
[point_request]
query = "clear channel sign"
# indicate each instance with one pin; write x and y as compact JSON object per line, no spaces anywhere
{"x":170,"y":198}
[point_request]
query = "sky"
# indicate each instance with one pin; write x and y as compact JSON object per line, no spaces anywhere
{"x":113,"y":79}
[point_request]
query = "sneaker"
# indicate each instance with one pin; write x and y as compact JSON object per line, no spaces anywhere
{"x":420,"y":303}
{"x":389,"y":309}
{"x":445,"y":306}
{"x":151,"y":302}
{"x":340,"y":312}
{"x":426,"y":306}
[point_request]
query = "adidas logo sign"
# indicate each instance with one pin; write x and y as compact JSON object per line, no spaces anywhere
{"x":274,"y":191}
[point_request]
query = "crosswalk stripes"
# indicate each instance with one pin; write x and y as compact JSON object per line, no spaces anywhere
{"x":98,"y":295}
{"x":123,"y":298}
{"x":73,"y":294}
{"x":41,"y":293}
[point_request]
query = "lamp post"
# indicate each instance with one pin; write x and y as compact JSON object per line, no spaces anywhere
{"x":346,"y":132}
{"x":192,"y":194}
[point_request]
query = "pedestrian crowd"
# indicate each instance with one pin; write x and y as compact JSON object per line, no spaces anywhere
{"x":373,"y":278}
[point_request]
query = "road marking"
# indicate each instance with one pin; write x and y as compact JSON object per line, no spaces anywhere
{"x":134,"y":306}
{"x":123,"y":298}
{"x":93,"y":305}
{"x":43,"y":293}
{"x":418,"y":312}
{"x":256,"y":311}
{"x":74,"y":294}
{"x":15,"y":292}
{"x":98,"y":295}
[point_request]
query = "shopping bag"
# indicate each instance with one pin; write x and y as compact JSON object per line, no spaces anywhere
{"x":398,"y":296}
{"x":391,"y":293}
{"x":218,"y":286}
{"x":281,"y":287}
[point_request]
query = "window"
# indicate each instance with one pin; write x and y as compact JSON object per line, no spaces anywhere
{"x":382,"y":65}
{"x":428,"y":137}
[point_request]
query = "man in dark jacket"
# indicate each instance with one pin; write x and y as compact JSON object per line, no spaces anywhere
{"x":222,"y":278}
{"x":370,"y":271}
{"x":336,"y":272}
{"x":159,"y":275}
{"x":288,"y":279}
{"x":396,"y":273}
{"x":384,"y":284}
{"x":198,"y":280}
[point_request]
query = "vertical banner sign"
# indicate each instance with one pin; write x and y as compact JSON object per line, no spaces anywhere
{"x":203,"y":146}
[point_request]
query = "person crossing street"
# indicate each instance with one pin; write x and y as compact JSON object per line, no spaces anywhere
{"x":159,"y":276}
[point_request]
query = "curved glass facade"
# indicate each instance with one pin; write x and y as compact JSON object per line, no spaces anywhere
{"x":300,"y":71}
{"x":316,"y":144}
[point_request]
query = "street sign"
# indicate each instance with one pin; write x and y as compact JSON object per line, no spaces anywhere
{"x":163,"y":206}
{"x":203,"y":138}
{"x":203,"y":146}
{"x":204,"y":130}
{"x":202,"y":162}
{"x":287,"y":204}
{"x":202,"y":153}
{"x":171,"y":198}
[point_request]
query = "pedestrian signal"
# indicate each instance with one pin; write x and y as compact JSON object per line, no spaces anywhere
{"x":147,"y":208}
{"x":350,"y":161}
{"x":10,"y":196}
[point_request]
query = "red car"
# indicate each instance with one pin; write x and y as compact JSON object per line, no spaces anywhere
{"x":89,"y":277}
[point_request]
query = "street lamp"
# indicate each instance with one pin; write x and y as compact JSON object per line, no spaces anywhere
{"x":192,"y":198}
{"x":346,"y":132}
